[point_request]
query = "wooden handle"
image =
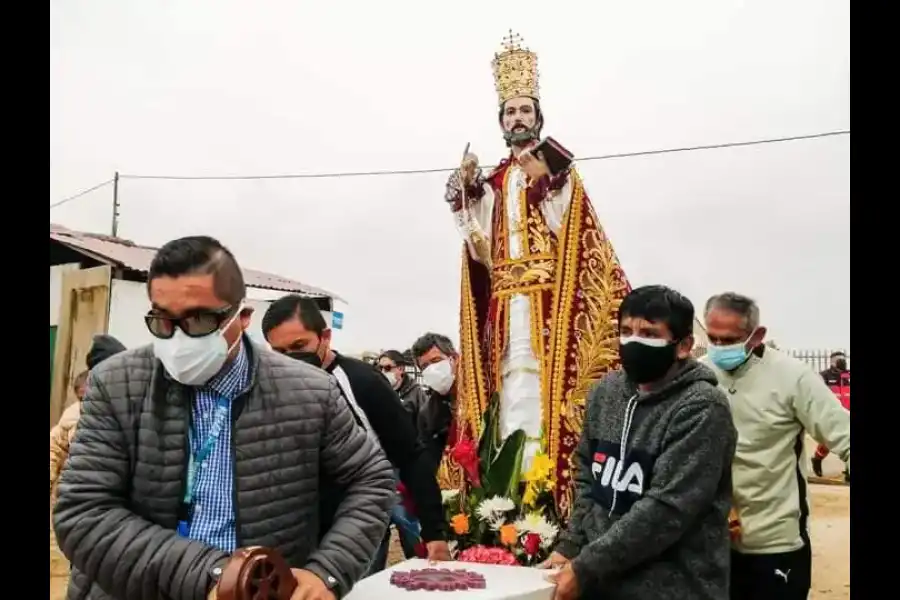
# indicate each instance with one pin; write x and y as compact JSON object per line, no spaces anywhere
{"x":256,"y":573}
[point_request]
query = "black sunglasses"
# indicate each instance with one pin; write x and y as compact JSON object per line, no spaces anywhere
{"x":195,"y":324}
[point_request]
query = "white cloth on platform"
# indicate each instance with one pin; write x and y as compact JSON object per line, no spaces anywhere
{"x":502,"y":583}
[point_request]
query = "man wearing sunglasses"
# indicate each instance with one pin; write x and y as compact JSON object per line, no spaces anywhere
{"x":295,"y":326}
{"x":202,"y":443}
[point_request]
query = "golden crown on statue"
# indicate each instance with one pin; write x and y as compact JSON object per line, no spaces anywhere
{"x":515,"y":70}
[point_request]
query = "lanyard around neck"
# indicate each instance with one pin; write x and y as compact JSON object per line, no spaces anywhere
{"x":195,"y":462}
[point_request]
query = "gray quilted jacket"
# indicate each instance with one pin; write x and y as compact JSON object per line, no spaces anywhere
{"x":120,"y":491}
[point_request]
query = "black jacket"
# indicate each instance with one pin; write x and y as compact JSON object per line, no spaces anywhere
{"x":399,"y":439}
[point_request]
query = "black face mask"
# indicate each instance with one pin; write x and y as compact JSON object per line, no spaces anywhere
{"x":646,"y":364}
{"x":840,"y":364}
{"x":311,"y":358}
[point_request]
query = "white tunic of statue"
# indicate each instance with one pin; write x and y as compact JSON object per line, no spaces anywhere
{"x":520,"y":376}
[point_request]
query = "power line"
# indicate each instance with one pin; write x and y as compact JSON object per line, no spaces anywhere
{"x":82,"y":193}
{"x":449,"y":169}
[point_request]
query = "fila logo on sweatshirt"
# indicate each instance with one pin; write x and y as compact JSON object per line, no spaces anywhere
{"x":608,"y":473}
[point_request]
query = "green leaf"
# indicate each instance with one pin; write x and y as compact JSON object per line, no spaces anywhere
{"x":503,"y":475}
{"x":487,"y":446}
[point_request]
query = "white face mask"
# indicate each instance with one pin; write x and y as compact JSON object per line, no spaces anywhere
{"x":194,"y":361}
{"x":389,"y":375}
{"x":439,"y":376}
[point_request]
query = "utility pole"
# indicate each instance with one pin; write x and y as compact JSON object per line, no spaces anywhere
{"x":115,"y":213}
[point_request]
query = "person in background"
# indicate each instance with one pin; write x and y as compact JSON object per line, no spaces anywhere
{"x":63,"y":432}
{"x":837,"y":378}
{"x":202,"y":443}
{"x":438,"y":360}
{"x":392,"y":364}
{"x":775,"y":400}
{"x":294,"y":326}
{"x":653,"y":468}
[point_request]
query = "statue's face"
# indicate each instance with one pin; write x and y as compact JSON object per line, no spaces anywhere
{"x":521,"y":121}
{"x":519,"y":115}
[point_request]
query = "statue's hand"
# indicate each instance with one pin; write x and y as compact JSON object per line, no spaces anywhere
{"x":534,"y":166}
{"x":468,"y":168}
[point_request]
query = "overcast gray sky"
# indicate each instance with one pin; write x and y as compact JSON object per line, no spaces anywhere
{"x":195,"y":87}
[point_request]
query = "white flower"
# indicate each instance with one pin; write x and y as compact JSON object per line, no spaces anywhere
{"x":448,"y":496}
{"x":536,"y":523}
{"x":493,"y":511}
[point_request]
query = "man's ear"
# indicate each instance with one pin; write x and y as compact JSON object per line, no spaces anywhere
{"x":758,"y":337}
{"x":683,"y":350}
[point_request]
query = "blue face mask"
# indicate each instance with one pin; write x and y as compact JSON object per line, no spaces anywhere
{"x":729,"y":358}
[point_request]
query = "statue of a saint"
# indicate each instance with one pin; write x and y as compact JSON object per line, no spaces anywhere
{"x":541,"y":286}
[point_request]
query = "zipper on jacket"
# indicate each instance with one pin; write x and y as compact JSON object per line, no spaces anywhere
{"x":234,"y":475}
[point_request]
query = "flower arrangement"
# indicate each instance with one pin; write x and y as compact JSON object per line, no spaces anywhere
{"x":501,"y":516}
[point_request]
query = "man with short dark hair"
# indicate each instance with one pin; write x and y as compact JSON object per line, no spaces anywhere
{"x":438,"y":360}
{"x":294,"y":326}
{"x":653,"y":468}
{"x":202,"y":443}
{"x":393,"y":365}
{"x":775,"y":400}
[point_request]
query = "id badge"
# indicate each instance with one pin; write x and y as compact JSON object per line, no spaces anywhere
{"x":183,"y":528}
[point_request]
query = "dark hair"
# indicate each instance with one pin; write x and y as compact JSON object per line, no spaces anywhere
{"x":658,"y":303}
{"x":396,"y":357}
{"x":538,"y":117}
{"x":429,"y":341}
{"x":200,"y":255}
{"x":80,"y":379}
{"x":294,"y":306}
{"x":837,"y":353}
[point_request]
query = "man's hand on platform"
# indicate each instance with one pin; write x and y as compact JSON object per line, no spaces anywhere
{"x":310,"y":587}
{"x":554,"y":561}
{"x":566,"y":583}
{"x":438,"y":550}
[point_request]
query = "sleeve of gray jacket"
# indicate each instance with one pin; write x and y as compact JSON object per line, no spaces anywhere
{"x":698,"y":448}
{"x":124,"y":554}
{"x":359,"y":466}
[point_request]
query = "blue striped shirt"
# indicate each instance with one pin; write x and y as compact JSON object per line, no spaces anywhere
{"x":212,"y":521}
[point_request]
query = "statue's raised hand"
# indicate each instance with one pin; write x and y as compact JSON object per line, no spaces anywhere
{"x":468,"y":169}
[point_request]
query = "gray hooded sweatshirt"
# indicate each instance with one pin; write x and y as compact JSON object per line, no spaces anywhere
{"x":653,"y":490}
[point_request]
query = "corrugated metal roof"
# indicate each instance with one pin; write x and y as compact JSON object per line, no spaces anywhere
{"x":126,"y":254}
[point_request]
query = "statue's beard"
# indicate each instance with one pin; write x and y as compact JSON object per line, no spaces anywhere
{"x":520,"y":137}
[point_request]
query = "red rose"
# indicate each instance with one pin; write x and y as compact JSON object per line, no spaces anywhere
{"x":465,"y":453}
{"x":532,"y":544}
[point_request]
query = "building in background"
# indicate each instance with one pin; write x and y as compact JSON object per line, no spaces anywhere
{"x":98,"y":284}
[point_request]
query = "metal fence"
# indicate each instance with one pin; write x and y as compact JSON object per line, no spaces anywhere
{"x":819,"y":360}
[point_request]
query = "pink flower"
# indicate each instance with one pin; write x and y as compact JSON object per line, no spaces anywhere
{"x":490,"y":555}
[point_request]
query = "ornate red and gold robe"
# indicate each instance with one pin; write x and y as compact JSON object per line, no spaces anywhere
{"x":541,"y":287}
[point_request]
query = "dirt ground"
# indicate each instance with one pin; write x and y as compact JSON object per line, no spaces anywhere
{"x":830,"y":529}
